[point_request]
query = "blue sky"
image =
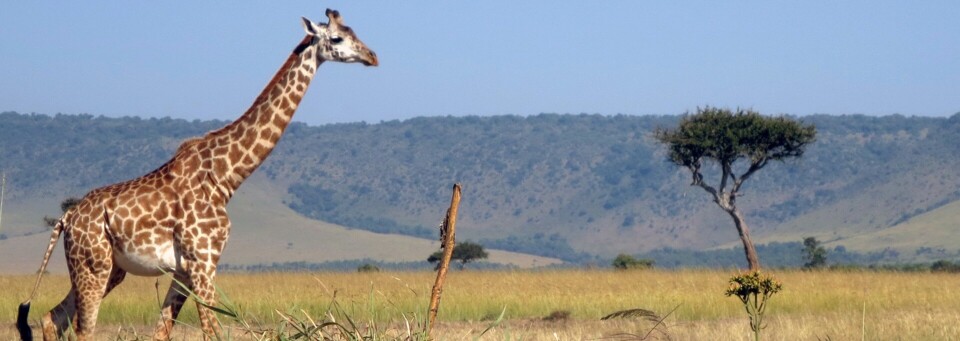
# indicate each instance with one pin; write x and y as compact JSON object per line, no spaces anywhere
{"x":210,"y":59}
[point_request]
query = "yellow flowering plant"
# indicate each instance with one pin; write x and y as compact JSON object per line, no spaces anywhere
{"x":754,"y":289}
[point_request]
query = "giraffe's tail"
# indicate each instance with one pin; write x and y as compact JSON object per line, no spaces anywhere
{"x":22,"y":326}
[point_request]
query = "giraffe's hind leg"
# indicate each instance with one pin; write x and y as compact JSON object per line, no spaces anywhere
{"x":56,"y":322}
{"x":92,"y":272}
{"x":116,"y":277}
{"x":91,"y":294}
{"x":60,"y":319}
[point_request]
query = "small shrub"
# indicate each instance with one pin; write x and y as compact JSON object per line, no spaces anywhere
{"x":557,"y":316}
{"x":367,"y":267}
{"x":944,"y":266}
{"x":627,"y":262}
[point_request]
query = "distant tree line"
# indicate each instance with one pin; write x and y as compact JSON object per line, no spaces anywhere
{"x":553,"y":245}
{"x":664,"y":258}
{"x":782,"y":255}
{"x":351,"y":265}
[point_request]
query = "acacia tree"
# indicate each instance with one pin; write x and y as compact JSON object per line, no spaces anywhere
{"x":65,"y":205}
{"x":628,"y":262}
{"x":724,"y":137}
{"x":814,"y":253}
{"x":465,"y":252}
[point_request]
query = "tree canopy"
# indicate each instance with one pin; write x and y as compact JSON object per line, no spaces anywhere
{"x":725,"y":136}
{"x":65,"y":205}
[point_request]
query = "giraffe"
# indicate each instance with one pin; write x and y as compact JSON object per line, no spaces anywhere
{"x":174,"y":219}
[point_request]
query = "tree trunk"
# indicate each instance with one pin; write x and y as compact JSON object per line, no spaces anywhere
{"x":753,"y":261}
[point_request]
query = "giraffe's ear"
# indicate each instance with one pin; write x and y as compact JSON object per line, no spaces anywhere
{"x":309,"y":26}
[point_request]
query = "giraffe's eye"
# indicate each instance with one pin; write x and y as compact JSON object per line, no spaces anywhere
{"x":336,"y":39}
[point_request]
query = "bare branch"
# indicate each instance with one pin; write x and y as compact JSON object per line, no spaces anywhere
{"x":710,"y":190}
{"x":698,"y":181}
{"x":727,"y":173}
{"x":695,"y":172}
{"x":754,"y":167}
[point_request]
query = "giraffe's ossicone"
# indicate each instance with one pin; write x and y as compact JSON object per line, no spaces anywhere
{"x":174,"y":219}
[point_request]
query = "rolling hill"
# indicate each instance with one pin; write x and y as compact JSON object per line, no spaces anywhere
{"x":265,"y":231}
{"x":572,"y":187}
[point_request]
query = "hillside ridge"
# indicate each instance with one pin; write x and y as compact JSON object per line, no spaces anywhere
{"x":563,"y":186}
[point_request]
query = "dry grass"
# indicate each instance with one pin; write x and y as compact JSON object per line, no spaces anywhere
{"x":834,"y":305}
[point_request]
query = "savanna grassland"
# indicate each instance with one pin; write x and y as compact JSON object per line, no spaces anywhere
{"x":813,"y":305}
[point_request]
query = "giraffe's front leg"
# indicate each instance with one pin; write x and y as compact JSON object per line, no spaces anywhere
{"x":202,"y":278}
{"x":197,"y":280}
{"x":199,"y":248}
{"x":208,"y":249}
{"x":176,"y":296}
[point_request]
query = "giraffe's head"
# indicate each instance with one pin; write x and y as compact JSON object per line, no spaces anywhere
{"x":337,"y":42}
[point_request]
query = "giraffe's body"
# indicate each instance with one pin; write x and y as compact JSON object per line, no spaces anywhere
{"x":174,"y":219}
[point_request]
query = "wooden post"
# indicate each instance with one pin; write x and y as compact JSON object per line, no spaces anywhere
{"x":447,"y":242}
{"x":3,"y":186}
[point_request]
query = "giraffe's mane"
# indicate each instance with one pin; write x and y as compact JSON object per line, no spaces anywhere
{"x":188,"y":143}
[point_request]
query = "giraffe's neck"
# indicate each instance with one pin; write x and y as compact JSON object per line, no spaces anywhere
{"x":237,"y":149}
